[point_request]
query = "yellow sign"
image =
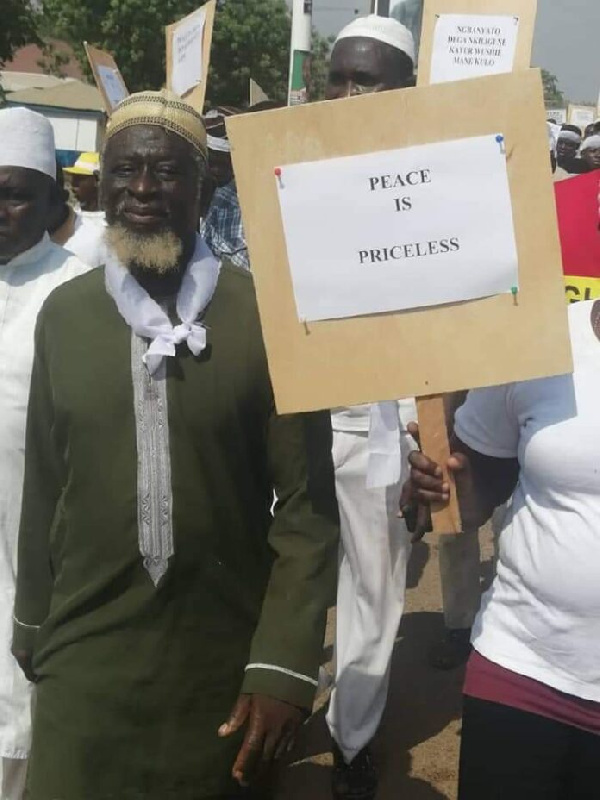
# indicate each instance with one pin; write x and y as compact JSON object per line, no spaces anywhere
{"x":581,"y":288}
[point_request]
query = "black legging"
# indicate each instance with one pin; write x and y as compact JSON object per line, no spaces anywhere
{"x":508,"y":754}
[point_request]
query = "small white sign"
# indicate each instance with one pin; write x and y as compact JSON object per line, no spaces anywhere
{"x":472,"y":46}
{"x":112,"y":84}
{"x":582,"y":115}
{"x":186,"y":53}
{"x":399,"y":229}
{"x":559,"y":115}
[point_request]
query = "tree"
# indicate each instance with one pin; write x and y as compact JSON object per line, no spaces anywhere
{"x":55,"y":58}
{"x":18,"y":27}
{"x":251,"y":39}
{"x":553,"y":97}
{"x":321,"y":51}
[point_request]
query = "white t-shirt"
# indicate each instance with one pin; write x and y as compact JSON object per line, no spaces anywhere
{"x":541,"y":618}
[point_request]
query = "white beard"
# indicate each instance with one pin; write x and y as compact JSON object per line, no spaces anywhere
{"x":155,"y":252}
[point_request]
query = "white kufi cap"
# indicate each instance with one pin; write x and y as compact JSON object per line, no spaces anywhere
{"x":570,"y":136}
{"x":591,"y":143}
{"x":27,"y":140}
{"x":383,"y":29}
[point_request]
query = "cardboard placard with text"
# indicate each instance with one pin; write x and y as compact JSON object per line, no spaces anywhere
{"x":422,"y":350}
{"x":470,"y":38}
{"x":108,"y":78}
{"x":189,"y":42}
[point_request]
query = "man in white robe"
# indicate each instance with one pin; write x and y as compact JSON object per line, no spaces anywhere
{"x":371,"y":445}
{"x":31,"y":266}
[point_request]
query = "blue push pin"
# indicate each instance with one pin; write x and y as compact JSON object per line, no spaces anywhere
{"x":500,"y":140}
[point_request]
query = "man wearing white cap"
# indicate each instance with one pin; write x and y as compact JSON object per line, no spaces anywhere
{"x":371,"y":445}
{"x":371,"y":54}
{"x":590,"y":152}
{"x":567,"y":150}
{"x":569,"y":139}
{"x":31,"y":266}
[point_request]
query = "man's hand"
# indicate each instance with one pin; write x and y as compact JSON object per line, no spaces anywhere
{"x":427,"y":478}
{"x":24,"y":659}
{"x":271,"y":727}
{"x":427,"y":487}
{"x":482,"y":484}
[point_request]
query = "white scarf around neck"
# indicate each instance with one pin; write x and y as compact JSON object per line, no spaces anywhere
{"x":148,"y":320}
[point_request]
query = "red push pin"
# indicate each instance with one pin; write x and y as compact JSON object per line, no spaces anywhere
{"x":278,"y":176}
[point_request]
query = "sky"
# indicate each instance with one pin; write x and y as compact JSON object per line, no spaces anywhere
{"x":566,"y":43}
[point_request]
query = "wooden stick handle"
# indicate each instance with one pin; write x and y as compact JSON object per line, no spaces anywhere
{"x":435,"y":445}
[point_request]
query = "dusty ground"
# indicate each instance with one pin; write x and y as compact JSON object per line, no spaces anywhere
{"x":417,"y":745}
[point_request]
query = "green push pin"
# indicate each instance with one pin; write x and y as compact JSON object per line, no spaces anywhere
{"x":515,"y":293}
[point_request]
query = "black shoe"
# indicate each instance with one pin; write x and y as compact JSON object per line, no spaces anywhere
{"x":453,"y":651}
{"x":354,"y":781}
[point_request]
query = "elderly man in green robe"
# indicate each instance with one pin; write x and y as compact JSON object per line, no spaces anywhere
{"x":173,"y":625}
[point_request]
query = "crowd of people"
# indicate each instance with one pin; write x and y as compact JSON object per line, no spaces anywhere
{"x":170,"y":545}
{"x":577,"y":152}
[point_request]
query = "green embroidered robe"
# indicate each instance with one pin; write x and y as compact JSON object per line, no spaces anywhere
{"x":134,"y":680}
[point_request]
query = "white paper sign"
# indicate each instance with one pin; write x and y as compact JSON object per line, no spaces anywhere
{"x":473,"y":45}
{"x":582,"y":115}
{"x":399,"y":229}
{"x":559,"y":115}
{"x":186,"y":54}
{"x":112,"y":85}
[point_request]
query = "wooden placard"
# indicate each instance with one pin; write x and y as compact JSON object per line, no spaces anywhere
{"x":431,"y":350}
{"x":526,"y":10}
{"x":99,"y":59}
{"x":197,"y":95}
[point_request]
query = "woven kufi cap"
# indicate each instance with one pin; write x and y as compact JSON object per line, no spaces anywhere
{"x":164,"y":109}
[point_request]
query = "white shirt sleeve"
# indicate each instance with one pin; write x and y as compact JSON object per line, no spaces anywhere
{"x":487,"y":423}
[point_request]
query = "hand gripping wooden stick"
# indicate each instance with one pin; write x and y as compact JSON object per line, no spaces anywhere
{"x":436,"y":446}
